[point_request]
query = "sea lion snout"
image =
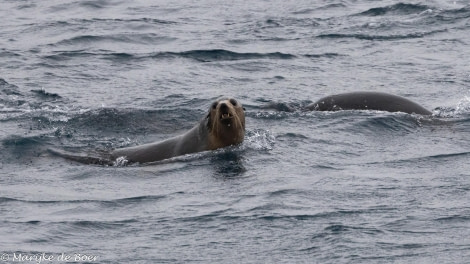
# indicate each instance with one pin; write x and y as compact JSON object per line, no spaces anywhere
{"x":225,"y":113}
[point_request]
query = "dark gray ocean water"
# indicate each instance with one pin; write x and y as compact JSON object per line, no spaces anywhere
{"x":304,"y":187}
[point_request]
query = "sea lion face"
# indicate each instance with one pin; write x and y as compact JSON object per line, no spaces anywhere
{"x":226,"y":123}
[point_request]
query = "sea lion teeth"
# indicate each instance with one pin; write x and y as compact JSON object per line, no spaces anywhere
{"x":225,"y":116}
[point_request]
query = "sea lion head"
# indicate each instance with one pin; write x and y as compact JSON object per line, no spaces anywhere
{"x":226,"y":123}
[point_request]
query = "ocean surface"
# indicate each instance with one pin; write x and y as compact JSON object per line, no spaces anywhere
{"x":304,"y":187}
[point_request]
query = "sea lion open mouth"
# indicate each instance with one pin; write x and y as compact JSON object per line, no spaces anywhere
{"x":225,"y":116}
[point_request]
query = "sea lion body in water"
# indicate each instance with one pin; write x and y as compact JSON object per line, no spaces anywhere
{"x":223,"y":126}
{"x":368,"y":101}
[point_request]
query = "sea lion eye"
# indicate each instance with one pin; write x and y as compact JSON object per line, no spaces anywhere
{"x":214,"y":105}
{"x":233,"y":102}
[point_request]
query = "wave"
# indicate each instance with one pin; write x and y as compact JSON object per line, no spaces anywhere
{"x":42,"y":93}
{"x":91,"y":5}
{"x":142,"y":19}
{"x":454,"y":14}
{"x":106,"y":203}
{"x":6,"y":54}
{"x":321,"y":8}
{"x":402,"y":9}
{"x":197,"y":55}
{"x":288,"y":21}
{"x":211,"y":55}
{"x":6,"y":87}
{"x":396,"y":9}
{"x":223,"y":55}
{"x":362,"y":36}
{"x":389,"y":122}
{"x":399,"y":21}
{"x":147,"y":39}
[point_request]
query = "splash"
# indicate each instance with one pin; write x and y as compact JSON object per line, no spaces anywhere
{"x":120,"y":162}
{"x":462,"y":108}
{"x":259,"y":139}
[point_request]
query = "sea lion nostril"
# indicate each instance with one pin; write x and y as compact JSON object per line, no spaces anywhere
{"x":223,"y":106}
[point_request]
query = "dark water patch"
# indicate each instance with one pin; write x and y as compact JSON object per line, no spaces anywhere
{"x":7,"y":200}
{"x":8,"y":88}
{"x":105,"y":203}
{"x":123,"y":22}
{"x":20,"y":141}
{"x":282,"y":192}
{"x":121,"y":56}
{"x":259,"y":212}
{"x":454,"y":219}
{"x":143,"y":19}
{"x":10,"y":96}
{"x":131,"y":201}
{"x":321,"y":8}
{"x":228,"y":163}
{"x":148,"y":38}
{"x":95,"y":4}
{"x":449,"y":155}
{"x":396,"y":9}
{"x":327,"y":167}
{"x":324,"y":55}
{"x":66,"y":55}
{"x":453,"y":15}
{"x":336,"y":228}
{"x":198,"y":55}
{"x":214,"y":216}
{"x":361,"y":36}
{"x":18,"y":149}
{"x":99,"y":225}
{"x":225,"y":55}
{"x":271,"y":218}
{"x":290,"y":22}
{"x":292,"y":136}
{"x":80,"y":5}
{"x":7,"y":54}
{"x":43,"y":94}
{"x":33,"y":222}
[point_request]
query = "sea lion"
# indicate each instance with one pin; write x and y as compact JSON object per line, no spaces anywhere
{"x":223,"y":126}
{"x":368,"y":101}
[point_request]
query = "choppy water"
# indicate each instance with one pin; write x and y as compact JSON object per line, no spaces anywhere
{"x":304,"y":187}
